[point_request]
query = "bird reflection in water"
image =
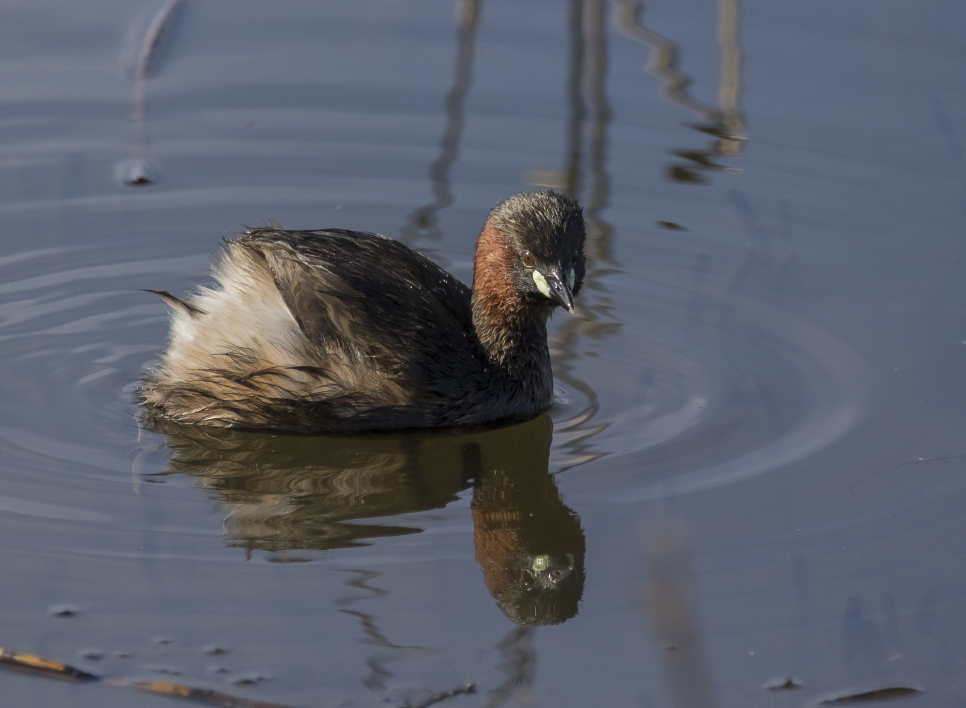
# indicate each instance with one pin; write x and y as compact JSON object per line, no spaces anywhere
{"x":289,"y":494}
{"x":528,"y":542}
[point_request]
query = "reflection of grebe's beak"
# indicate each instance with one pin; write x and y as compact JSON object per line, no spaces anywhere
{"x":555,"y":287}
{"x":553,"y":568}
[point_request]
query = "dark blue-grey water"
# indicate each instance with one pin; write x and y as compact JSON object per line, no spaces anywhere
{"x":756,"y":468}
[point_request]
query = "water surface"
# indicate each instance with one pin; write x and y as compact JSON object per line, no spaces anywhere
{"x":754,"y":470}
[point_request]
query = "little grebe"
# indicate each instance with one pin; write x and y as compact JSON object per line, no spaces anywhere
{"x":332,"y":330}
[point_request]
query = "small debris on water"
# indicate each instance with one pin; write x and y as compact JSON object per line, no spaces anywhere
{"x":166,"y":670}
{"x":63,"y":610}
{"x":248,"y":679}
{"x":670,"y":226}
{"x":782,"y":684}
{"x":137,"y":173}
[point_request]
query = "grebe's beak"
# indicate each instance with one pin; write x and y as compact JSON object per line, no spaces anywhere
{"x":560,"y":292}
{"x":556,"y":288}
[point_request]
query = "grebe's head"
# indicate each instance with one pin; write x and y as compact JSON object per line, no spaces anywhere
{"x":542,"y":236}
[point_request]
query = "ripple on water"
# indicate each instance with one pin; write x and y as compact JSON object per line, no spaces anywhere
{"x":709,"y":388}
{"x":696,"y":389}
{"x":76,"y":330}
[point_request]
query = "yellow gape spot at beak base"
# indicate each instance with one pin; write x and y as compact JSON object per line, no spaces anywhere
{"x":541,"y":282}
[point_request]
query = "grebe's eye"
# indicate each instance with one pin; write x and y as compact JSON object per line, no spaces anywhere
{"x":528,"y":260}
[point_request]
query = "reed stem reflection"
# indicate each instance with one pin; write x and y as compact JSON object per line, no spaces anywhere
{"x":670,"y":605}
{"x":519,"y":665}
{"x":138,"y":170}
{"x":422,"y":222}
{"x":586,"y":138}
{"x":726,"y":121}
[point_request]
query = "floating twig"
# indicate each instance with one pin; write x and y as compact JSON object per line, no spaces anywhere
{"x":198,"y":695}
{"x":36,"y":665}
{"x":877,"y":694}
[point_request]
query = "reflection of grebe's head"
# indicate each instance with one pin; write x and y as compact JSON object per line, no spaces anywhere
{"x":540,"y":589}
{"x":528,"y":542}
{"x":531,"y":550}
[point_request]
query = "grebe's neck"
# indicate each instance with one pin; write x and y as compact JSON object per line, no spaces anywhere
{"x":512,"y":331}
